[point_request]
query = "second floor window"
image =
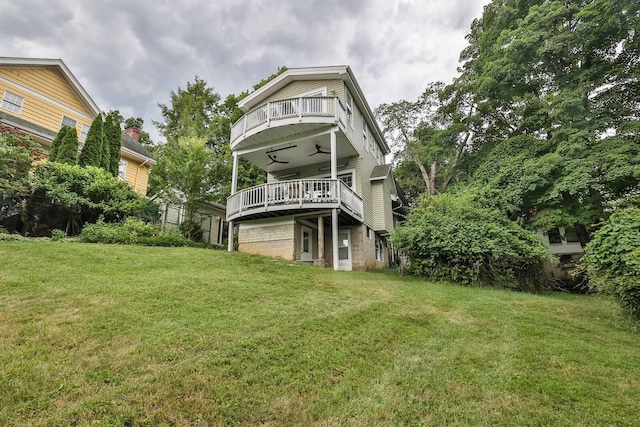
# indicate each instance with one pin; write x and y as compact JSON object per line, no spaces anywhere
{"x":12,"y":102}
{"x":349,"y":107}
{"x":84,"y":131}
{"x":66,"y":121}
{"x":365,"y":136}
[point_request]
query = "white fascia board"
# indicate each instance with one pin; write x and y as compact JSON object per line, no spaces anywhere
{"x":64,"y":71}
{"x":138,"y":156}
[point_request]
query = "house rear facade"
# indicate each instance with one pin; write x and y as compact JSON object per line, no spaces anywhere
{"x":39,"y":96}
{"x":330,"y":198}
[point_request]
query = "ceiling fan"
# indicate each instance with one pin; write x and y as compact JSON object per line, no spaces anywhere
{"x":319,"y":151}
{"x":275,"y":160}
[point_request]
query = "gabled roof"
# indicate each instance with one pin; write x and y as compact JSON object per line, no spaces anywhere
{"x":342,"y":72}
{"x":134,"y":148}
{"x":58,"y":66}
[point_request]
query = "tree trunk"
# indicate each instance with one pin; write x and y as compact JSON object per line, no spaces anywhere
{"x":583,"y":234}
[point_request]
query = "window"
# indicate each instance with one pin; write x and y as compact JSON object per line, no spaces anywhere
{"x":66,"y":121}
{"x":84,"y":131}
{"x":12,"y":102}
{"x":554,"y":236}
{"x":365,"y":134}
{"x":379,"y":249}
{"x":122,"y":169}
{"x":571,"y":235}
{"x":349,"y":106}
{"x":368,"y":233}
{"x":347,"y":178}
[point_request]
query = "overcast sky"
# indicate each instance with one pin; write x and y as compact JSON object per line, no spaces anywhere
{"x":130,"y":54}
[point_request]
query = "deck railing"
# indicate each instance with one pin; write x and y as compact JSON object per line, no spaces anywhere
{"x":301,"y":193}
{"x":313,"y":106}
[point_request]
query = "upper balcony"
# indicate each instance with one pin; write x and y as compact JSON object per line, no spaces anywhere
{"x":279,"y":118}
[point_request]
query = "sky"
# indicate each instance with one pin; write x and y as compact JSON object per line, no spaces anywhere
{"x":130,"y":54}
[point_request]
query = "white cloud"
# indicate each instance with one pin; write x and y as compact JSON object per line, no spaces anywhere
{"x":129,"y":55}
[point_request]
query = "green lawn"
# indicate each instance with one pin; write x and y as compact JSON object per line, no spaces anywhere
{"x":126,"y":335}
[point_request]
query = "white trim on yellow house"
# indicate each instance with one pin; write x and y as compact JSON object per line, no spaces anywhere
{"x":45,"y":98}
{"x":63,"y":70}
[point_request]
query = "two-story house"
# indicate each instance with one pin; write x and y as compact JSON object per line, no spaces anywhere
{"x":329,"y":197}
{"x":39,"y":96}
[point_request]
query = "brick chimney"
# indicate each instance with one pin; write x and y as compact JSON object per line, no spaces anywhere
{"x":133,"y":132}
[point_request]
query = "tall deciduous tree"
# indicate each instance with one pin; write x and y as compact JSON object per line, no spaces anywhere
{"x":191,"y":113}
{"x":556,"y":89}
{"x":92,"y":151}
{"x":68,"y":150}
{"x":187,"y":173}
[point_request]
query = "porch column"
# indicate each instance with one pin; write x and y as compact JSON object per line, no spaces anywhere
{"x":334,"y":153}
{"x":334,"y":237}
{"x":334,"y":212}
{"x":321,"y":237}
{"x":234,"y":185}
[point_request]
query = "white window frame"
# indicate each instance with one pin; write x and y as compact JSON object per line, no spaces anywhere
{"x":365,"y":136}
{"x":122,"y":169}
{"x":316,"y":92}
{"x":84,"y":131}
{"x":12,"y":102}
{"x":351,"y":172}
{"x":62,"y":123}
{"x":349,"y":106}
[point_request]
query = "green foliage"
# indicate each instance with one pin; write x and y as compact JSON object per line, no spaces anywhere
{"x":57,"y":235}
{"x":17,"y":154}
{"x":92,"y":151}
{"x":612,"y":259}
{"x":192,"y":230}
{"x":464,"y":238}
{"x":188,"y":172}
{"x":554,"y":88}
{"x":131,"y":231}
{"x":191,"y":112}
{"x":57,"y":142}
{"x":68,"y":150}
{"x":145,"y":138}
{"x":69,"y":196}
{"x":113,"y":137}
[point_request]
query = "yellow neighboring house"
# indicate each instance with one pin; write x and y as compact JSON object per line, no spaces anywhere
{"x":39,"y":96}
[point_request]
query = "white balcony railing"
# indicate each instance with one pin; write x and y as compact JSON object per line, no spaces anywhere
{"x":301,"y":193}
{"x":316,"y":106}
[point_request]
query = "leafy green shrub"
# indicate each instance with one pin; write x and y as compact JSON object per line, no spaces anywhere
{"x":131,"y":231}
{"x":191,"y":230}
{"x":464,"y":238}
{"x":69,"y":196}
{"x":57,"y":235}
{"x":612,"y":259}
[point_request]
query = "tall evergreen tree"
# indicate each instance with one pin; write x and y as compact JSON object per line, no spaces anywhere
{"x":91,"y":154}
{"x":113,"y":136}
{"x":68,"y":151}
{"x":57,"y":141}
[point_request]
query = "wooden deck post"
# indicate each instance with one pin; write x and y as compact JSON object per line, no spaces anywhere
{"x":234,"y":185}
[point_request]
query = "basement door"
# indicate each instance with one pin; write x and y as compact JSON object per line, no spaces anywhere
{"x":307,"y":245}
{"x":344,"y":250}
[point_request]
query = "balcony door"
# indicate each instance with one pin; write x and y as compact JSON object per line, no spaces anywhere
{"x":344,"y":250}
{"x":307,"y":245}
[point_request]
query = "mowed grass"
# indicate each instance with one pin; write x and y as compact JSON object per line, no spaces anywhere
{"x":141,"y":336}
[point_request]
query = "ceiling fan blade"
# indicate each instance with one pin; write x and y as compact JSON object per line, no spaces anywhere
{"x":275,"y":160}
